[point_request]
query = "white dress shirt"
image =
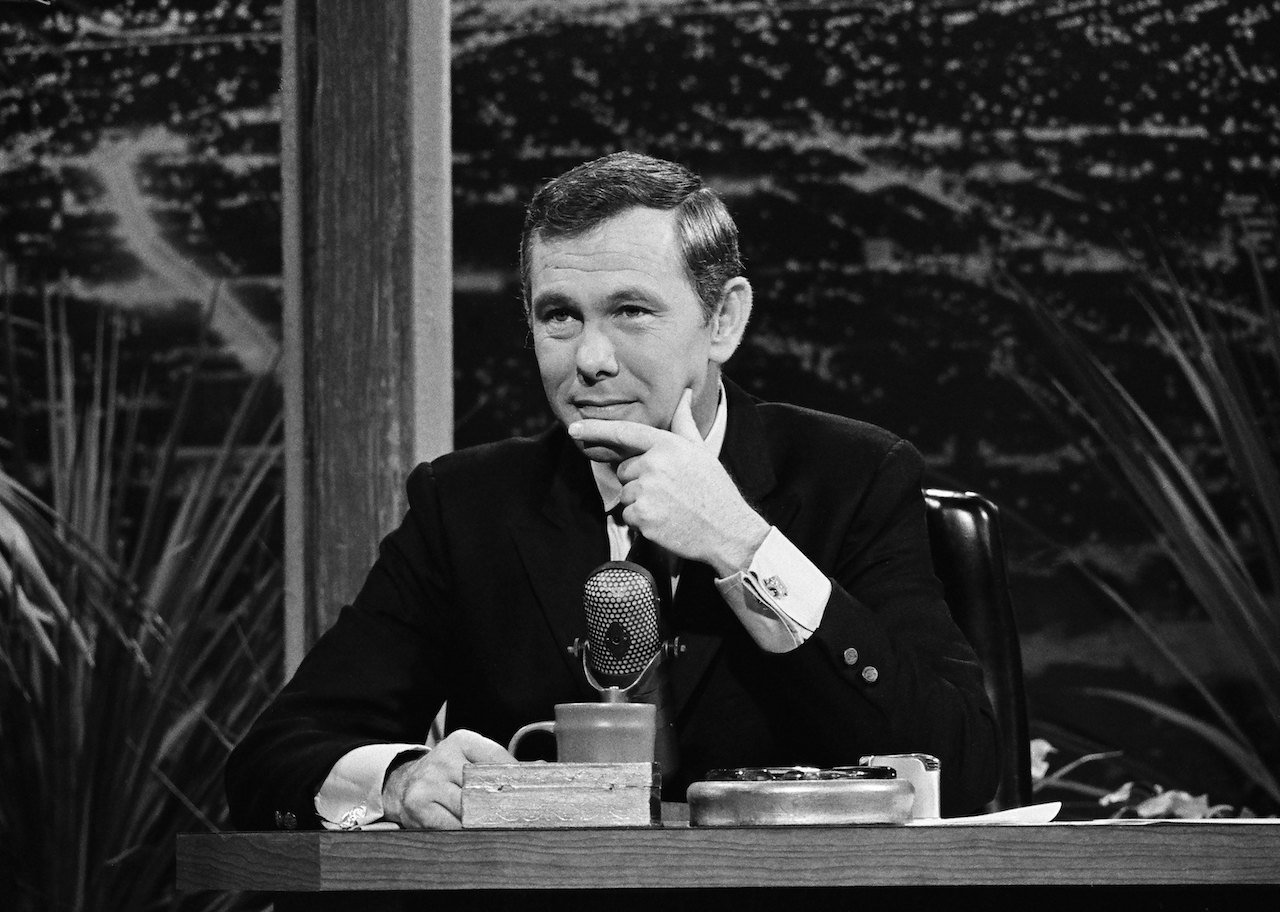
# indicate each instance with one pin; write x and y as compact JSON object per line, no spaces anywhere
{"x":779,"y":599}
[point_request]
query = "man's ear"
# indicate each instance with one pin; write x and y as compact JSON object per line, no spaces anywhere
{"x":729,"y":321}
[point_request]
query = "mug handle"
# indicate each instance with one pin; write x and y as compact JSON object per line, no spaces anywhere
{"x":526,"y":729}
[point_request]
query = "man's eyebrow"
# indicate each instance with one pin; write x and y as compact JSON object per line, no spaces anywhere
{"x":551,"y":299}
{"x":632,"y":293}
{"x":626,"y":295}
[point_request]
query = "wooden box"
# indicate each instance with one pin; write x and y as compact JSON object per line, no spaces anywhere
{"x":560,"y":795}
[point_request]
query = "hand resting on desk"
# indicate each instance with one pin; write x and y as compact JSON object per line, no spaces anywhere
{"x":426,"y":792}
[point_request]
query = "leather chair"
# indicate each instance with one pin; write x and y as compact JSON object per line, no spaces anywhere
{"x":968,"y":558}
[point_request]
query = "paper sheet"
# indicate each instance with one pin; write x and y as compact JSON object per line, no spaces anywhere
{"x":1034,"y":813}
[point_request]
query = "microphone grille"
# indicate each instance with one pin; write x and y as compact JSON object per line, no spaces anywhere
{"x":621,"y":603}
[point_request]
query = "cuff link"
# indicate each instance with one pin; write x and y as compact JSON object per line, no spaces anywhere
{"x":351,"y":819}
{"x":776,"y":587}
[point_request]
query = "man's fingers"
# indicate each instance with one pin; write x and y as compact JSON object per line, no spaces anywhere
{"x":626,"y":436}
{"x":463,"y":746}
{"x":628,"y":471}
{"x":436,"y":817}
{"x":432,"y":811}
{"x":477,"y":748}
{"x":682,"y":422}
{"x":450,"y":801}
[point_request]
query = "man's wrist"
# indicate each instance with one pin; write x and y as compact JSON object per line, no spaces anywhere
{"x":393,"y":783}
{"x":742,"y":541}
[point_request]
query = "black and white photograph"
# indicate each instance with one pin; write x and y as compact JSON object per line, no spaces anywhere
{"x":550,"y":453}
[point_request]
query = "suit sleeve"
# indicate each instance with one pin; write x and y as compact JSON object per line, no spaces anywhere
{"x":378,"y":675}
{"x":887,"y":667}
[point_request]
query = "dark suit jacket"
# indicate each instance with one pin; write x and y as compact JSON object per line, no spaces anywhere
{"x":477,"y":594}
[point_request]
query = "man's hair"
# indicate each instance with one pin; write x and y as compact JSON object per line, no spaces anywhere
{"x":592,"y":193}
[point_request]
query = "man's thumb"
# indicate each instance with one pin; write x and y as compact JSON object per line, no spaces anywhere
{"x":682,"y":422}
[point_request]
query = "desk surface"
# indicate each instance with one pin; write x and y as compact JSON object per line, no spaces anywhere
{"x":682,"y":856}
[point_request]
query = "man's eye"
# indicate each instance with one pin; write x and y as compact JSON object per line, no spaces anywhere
{"x":634,"y":310}
{"x":558,"y":322}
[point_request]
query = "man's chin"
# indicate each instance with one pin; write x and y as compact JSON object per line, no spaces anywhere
{"x":600,"y":453}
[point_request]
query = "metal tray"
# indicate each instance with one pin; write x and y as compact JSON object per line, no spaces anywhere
{"x":742,"y":798}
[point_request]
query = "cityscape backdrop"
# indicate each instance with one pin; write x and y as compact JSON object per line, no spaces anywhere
{"x":893,"y":166}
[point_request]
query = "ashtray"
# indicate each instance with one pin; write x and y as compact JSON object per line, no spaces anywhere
{"x":800,"y":796}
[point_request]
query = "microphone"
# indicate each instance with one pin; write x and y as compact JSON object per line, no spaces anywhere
{"x":623,"y":657}
{"x":621,"y":603}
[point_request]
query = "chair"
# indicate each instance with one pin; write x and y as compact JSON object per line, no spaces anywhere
{"x":968,"y":558}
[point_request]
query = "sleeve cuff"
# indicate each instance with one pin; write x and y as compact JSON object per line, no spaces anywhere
{"x":781,"y":597}
{"x":350,"y":798}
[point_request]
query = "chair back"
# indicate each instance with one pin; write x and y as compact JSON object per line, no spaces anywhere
{"x":968,"y":558}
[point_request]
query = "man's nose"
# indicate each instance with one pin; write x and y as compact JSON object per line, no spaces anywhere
{"x":596,"y":357}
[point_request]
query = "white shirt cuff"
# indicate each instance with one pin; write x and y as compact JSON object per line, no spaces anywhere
{"x":350,"y":798}
{"x":781,"y":597}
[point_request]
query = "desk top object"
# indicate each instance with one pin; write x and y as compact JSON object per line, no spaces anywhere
{"x":800,"y":796}
{"x":550,"y":795}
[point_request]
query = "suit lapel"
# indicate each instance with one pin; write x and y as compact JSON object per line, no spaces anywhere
{"x":561,"y":544}
{"x":746,"y":457}
{"x":745,"y":452}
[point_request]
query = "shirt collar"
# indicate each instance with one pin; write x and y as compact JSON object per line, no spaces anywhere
{"x":607,"y":480}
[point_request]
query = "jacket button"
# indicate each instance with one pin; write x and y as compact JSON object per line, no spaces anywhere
{"x":286,"y":821}
{"x":870,"y":674}
{"x":850,"y":656}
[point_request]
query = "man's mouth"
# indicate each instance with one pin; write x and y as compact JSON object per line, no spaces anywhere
{"x":584,"y":404}
{"x":605,"y":408}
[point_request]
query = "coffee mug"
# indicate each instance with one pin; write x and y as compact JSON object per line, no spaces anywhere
{"x":598,"y":732}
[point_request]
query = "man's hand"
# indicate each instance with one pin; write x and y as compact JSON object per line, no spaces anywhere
{"x":426,"y":793}
{"x":676,"y":493}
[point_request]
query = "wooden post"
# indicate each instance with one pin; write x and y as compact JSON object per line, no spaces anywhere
{"x":367,"y":275}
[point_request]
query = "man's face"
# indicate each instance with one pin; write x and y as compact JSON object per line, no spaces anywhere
{"x":618,"y":329}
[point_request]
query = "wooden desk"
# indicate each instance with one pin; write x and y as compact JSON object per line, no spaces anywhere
{"x":680,"y":857}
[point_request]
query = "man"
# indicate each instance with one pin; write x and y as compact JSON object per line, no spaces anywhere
{"x":814,"y":629}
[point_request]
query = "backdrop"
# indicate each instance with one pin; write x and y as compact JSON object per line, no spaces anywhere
{"x":896,"y":168}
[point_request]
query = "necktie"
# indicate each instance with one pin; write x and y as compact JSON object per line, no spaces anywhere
{"x":654,"y":559}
